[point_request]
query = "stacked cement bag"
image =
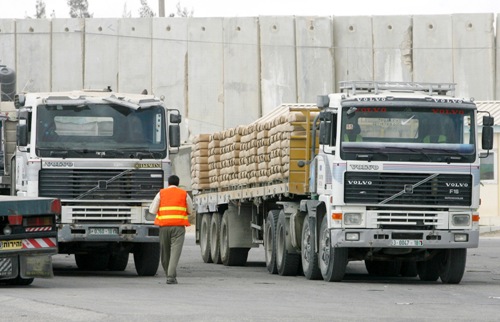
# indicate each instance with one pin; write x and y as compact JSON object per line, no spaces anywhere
{"x":256,"y":154}
{"x":263,"y":156}
{"x":248,"y":156}
{"x":279,"y":149}
{"x":230,"y":157}
{"x":214,"y":163}
{"x":199,"y":164}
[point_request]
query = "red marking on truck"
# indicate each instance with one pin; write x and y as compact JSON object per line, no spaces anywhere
{"x":33,"y":243}
{"x":447,"y":111}
{"x":36,"y":229}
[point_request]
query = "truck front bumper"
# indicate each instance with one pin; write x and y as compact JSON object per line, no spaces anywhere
{"x":108,"y":233}
{"x":378,"y":238}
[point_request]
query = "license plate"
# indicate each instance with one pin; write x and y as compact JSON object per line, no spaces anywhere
{"x":103,"y":231}
{"x":11,"y":244}
{"x":407,"y":242}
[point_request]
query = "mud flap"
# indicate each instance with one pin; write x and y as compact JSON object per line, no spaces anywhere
{"x":36,"y":266}
{"x":9,"y":267}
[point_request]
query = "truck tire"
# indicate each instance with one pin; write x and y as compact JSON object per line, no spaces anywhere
{"x":383,"y":268}
{"x":205,"y":238}
{"x":270,"y":240}
{"x":429,"y":270}
{"x":92,"y":261}
{"x":215,"y":238}
{"x":332,"y":260}
{"x":409,"y":269}
{"x":19,"y":281}
{"x":453,"y":265}
{"x":309,"y":256}
{"x":118,"y":261}
{"x":146,"y":258}
{"x":230,"y":256}
{"x":287,"y":263}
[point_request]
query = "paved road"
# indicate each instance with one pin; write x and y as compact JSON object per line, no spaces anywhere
{"x":209,"y":292}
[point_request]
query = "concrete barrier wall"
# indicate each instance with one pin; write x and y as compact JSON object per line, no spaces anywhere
{"x":222,"y":72}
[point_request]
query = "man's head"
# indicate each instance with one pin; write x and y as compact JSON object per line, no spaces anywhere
{"x":173,"y":180}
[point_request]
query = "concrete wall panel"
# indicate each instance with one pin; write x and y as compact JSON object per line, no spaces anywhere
{"x":473,"y":55}
{"x":392,"y":48}
{"x":353,"y":40}
{"x":33,"y":64}
{"x":241,"y":71}
{"x":134,"y":55}
{"x":205,"y":112}
{"x":169,"y":64}
{"x":278,"y":63}
{"x":101,"y":53}
{"x":8,"y":43}
{"x":315,"y":63}
{"x":67,"y":54}
{"x":432,"y":49}
{"x":497,"y":60}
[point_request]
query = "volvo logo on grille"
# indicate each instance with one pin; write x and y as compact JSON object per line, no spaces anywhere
{"x":360,"y":182}
{"x":457,"y":184}
{"x":408,"y":188}
{"x":364,"y":167}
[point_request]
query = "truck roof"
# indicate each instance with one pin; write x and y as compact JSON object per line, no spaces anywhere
{"x":13,"y":205}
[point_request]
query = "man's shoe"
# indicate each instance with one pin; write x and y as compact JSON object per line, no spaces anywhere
{"x":171,"y":280}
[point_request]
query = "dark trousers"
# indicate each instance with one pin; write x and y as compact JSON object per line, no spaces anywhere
{"x":171,"y":242}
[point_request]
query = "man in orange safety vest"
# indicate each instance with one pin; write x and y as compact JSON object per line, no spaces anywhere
{"x":172,"y":206}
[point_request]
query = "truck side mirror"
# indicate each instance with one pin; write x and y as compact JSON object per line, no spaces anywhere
{"x":325,"y":128}
{"x":174,"y":135}
{"x":175,"y":118}
{"x":22,"y":133}
{"x":487,"y":138}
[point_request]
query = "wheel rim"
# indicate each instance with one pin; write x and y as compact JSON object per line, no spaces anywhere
{"x":325,"y":251}
{"x":306,"y":247}
{"x":204,"y":233}
{"x":280,"y":244}
{"x":224,"y":240}
{"x":268,"y":243}
{"x":213,"y":230}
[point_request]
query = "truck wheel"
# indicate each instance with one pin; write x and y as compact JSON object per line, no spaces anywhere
{"x":205,"y":238}
{"x":287,"y":263}
{"x":308,"y":254}
{"x":270,"y":240}
{"x":215,"y":238}
{"x":230,"y":256}
{"x":20,"y":281}
{"x":409,"y":269}
{"x":332,"y":260}
{"x":92,"y":261}
{"x":453,"y":265}
{"x":146,"y":258}
{"x":383,"y":268}
{"x":429,"y":270}
{"x":118,"y":261}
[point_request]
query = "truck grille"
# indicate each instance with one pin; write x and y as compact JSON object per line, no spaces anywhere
{"x":408,"y":189}
{"x":85,"y":184}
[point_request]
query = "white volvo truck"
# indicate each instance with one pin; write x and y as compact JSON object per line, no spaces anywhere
{"x":105,"y":155}
{"x":386,"y":172}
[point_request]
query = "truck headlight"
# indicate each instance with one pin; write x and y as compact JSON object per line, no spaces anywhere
{"x":461,"y":238}
{"x":352,"y":218}
{"x":460,"y":220}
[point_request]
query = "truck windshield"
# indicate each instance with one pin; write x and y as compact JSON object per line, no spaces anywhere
{"x":100,"y":130}
{"x":417,"y":134}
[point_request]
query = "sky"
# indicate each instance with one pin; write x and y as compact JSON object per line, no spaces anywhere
{"x":20,"y":9}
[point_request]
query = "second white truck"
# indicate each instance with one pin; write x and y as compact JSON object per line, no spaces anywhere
{"x":384,"y":172}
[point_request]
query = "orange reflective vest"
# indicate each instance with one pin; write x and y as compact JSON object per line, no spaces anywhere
{"x":173,"y":208}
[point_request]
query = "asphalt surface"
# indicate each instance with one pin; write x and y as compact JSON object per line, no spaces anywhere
{"x":211,"y":292}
